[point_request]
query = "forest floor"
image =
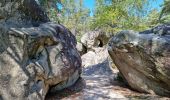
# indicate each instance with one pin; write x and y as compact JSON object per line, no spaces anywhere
{"x":98,"y":82}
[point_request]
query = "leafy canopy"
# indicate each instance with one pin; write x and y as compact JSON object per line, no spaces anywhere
{"x":109,"y":15}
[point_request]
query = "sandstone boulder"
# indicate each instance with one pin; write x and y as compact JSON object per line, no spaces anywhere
{"x":95,"y":45}
{"x":81,"y":48}
{"x":97,"y":57}
{"x":94,"y":39}
{"x":36,"y":56}
{"x":143,"y":60}
{"x":160,"y":29}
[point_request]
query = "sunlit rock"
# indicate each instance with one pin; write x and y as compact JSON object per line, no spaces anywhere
{"x":143,"y":59}
{"x":36,"y":56}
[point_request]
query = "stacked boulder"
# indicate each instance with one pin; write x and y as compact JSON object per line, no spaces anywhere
{"x":94,"y":39}
{"x":93,"y":49}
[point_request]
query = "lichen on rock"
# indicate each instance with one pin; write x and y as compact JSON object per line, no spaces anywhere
{"x":143,"y":59}
{"x":36,"y":55}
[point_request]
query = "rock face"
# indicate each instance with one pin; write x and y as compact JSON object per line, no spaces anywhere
{"x":34,"y":60}
{"x":93,"y":48}
{"x":81,"y":48}
{"x":160,"y":29}
{"x":143,"y":60}
{"x":94,"y":39}
{"x":98,"y":56}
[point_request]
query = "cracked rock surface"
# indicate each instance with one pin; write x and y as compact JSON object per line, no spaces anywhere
{"x":36,"y":56}
{"x":143,"y":59}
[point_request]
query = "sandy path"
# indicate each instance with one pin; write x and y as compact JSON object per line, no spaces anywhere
{"x":98,"y":83}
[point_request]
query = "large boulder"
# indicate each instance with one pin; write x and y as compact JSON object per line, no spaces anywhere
{"x":81,"y":48}
{"x":143,"y":59}
{"x":36,"y":56}
{"x":94,"y":45}
{"x":160,"y":29}
{"x":98,"y":56}
{"x":94,"y":39}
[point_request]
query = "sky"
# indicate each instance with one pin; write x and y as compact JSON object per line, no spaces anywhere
{"x":154,"y":5}
{"x":90,"y":4}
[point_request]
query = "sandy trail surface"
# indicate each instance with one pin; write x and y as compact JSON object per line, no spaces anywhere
{"x":98,"y":82}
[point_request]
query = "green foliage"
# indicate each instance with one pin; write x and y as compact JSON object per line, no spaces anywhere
{"x":121,"y":14}
{"x":75,"y":16}
{"x":110,"y":16}
{"x":165,"y":9}
{"x":49,"y":6}
{"x":152,"y":18}
{"x":164,"y":16}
